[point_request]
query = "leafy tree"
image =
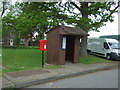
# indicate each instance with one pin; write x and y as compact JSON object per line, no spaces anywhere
{"x":8,"y":21}
{"x":28,"y":17}
{"x":4,"y":6}
{"x":42,"y":16}
{"x":91,"y":16}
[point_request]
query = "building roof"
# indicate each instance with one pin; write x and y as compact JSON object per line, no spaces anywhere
{"x":71,"y":30}
{"x":111,"y":36}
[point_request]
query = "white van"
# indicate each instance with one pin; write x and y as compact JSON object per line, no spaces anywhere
{"x":108,"y":48}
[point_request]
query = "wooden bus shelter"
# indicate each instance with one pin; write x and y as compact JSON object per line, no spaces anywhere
{"x":63,"y":44}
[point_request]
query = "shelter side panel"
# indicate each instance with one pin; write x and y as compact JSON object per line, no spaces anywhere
{"x":53,"y":47}
{"x":76,"y":49}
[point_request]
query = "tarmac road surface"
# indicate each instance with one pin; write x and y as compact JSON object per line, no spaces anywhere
{"x":102,"y":79}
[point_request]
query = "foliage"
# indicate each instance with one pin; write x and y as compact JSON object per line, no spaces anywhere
{"x":26,"y":17}
{"x":97,"y":14}
{"x":8,"y":23}
{"x":32,"y":16}
{"x":90,"y":16}
{"x":42,"y":15}
{"x":3,"y":7}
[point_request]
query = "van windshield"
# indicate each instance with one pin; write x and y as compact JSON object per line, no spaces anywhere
{"x":114,"y":45}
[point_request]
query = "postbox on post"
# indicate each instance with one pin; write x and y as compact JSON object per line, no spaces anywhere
{"x":43,"y":47}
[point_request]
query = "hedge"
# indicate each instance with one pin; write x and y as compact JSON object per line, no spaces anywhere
{"x":21,"y":47}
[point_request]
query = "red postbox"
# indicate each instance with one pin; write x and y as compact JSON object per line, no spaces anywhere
{"x":43,"y":45}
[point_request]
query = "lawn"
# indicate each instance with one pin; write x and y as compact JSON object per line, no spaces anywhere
{"x":90,"y":59}
{"x":29,"y":59}
{"x":22,"y":59}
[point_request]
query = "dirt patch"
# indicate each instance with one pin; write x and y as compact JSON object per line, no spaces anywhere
{"x":27,"y":73}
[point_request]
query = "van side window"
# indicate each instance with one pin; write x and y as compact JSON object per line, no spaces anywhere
{"x":106,"y":45}
{"x":110,"y":43}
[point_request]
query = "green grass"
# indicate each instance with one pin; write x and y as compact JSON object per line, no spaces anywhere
{"x":29,"y":59}
{"x":90,"y":59}
{"x":22,"y":59}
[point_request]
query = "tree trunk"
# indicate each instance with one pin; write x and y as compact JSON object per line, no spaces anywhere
{"x":84,"y":11}
{"x":83,"y":49}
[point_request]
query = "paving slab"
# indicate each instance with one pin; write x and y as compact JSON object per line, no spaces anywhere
{"x":5,"y":82}
{"x":69,"y":70}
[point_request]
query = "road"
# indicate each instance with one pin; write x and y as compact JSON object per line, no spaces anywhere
{"x":102,"y":79}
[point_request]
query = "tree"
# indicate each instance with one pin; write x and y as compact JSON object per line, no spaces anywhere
{"x":91,"y":16}
{"x":8,"y":20}
{"x":4,"y":6}
{"x":42,"y":16}
{"x":27,"y":17}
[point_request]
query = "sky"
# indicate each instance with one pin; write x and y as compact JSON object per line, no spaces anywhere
{"x":109,"y":29}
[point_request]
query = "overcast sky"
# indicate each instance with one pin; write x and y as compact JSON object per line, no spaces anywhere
{"x":109,"y":29}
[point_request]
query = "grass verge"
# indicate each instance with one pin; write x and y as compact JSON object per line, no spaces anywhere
{"x":90,"y":59}
{"x":23,"y":59}
{"x":29,"y":59}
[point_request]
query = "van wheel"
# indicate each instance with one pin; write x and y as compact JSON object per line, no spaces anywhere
{"x":108,"y":57}
{"x":89,"y":52}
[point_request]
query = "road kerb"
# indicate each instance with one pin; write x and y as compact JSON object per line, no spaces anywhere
{"x":53,"y":78}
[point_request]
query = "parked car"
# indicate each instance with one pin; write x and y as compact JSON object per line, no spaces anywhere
{"x":108,"y":48}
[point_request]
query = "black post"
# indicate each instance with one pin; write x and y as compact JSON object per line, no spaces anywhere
{"x":42,"y":58}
